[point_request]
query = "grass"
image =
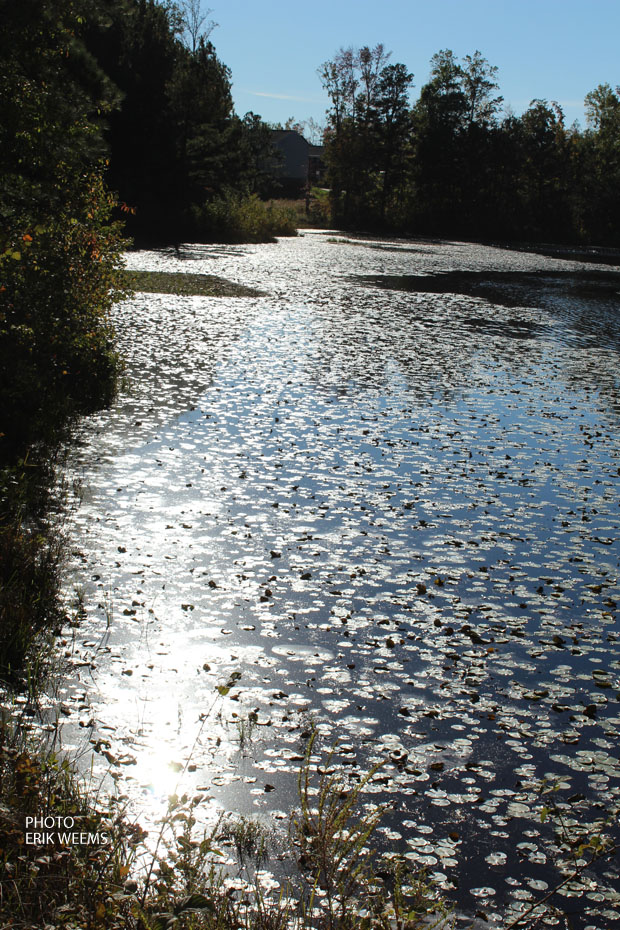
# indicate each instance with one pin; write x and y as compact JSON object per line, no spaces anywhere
{"x":46,"y":881}
{"x":317,"y":213}
{"x":330,"y":878}
{"x":250,"y":838}
{"x":235,"y":218}
{"x":187,"y":285}
{"x":331,"y":831}
{"x":246,"y":727}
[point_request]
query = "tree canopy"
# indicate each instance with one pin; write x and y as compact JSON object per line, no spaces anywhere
{"x":453,"y":163}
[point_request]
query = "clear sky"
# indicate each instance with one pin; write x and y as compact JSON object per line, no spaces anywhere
{"x":552,"y":49}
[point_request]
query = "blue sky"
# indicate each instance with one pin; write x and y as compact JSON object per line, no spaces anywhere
{"x":553,"y":49}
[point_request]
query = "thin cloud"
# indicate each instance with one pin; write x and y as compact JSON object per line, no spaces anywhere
{"x":260,"y":93}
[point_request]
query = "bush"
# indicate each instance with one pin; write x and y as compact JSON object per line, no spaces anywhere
{"x":320,"y":208}
{"x":241,"y":218}
{"x":58,"y":279}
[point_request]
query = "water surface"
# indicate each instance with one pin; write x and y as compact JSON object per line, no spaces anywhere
{"x":384,"y":497}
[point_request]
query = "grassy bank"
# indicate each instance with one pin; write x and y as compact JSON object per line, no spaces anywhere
{"x":89,"y":867}
{"x":30,"y":559}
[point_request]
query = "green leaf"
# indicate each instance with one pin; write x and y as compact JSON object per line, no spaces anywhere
{"x":194,"y":902}
{"x":162,"y":921}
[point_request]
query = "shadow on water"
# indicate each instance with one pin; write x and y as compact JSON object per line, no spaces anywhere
{"x":198,"y":251}
{"x":598,"y":255}
{"x":509,"y":289}
{"x":587,"y":301}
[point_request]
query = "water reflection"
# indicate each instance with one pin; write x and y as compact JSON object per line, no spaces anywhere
{"x":392,"y":511}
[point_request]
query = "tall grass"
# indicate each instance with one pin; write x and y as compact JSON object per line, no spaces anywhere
{"x":44,"y":880}
{"x":236,"y":218}
{"x":311,"y":211}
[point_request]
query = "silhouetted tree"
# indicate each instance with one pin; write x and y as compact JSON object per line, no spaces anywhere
{"x":599,"y":164}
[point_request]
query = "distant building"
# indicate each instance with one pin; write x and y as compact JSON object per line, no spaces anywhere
{"x":316,"y":165}
{"x":298,"y":164}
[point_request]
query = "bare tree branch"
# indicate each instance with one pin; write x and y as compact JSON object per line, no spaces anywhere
{"x":195,"y":23}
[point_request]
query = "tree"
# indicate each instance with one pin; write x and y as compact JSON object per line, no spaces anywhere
{"x":339,"y":79}
{"x":602,"y":106}
{"x":193,"y":20}
{"x":439,"y":117}
{"x":370,"y":63}
{"x":59,"y":250}
{"x":455,"y":127}
{"x":368,"y":124}
{"x":442,"y":102}
{"x":477,"y":85}
{"x":200,"y":110}
{"x":393,"y":128}
{"x":540,"y":185}
{"x":172,"y":142}
{"x":599,"y":165}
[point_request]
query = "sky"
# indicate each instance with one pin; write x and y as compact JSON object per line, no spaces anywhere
{"x":550,"y":49}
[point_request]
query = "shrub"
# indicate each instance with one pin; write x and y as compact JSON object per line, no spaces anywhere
{"x":239,"y":218}
{"x":58,"y":279}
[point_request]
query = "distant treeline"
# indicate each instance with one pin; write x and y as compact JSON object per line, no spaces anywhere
{"x":454,"y":165}
{"x":158,"y":103}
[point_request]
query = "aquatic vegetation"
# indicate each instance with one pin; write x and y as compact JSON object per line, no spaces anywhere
{"x":71,"y":857}
{"x":189,"y":285}
{"x":391,"y":511}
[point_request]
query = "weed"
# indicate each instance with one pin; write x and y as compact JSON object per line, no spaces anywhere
{"x":332,"y":843}
{"x":246,"y":727}
{"x":331,"y":833}
{"x":250,"y":838}
{"x":313,"y":211}
{"x":580,"y":847}
{"x":186,"y":886}
{"x":45,"y":877}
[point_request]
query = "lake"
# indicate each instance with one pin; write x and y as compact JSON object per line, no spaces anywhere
{"x":383,"y":499}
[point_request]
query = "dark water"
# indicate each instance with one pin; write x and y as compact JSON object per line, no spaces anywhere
{"x":386,"y":497}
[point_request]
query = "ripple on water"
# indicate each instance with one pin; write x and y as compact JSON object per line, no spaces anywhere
{"x":393,"y":510}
